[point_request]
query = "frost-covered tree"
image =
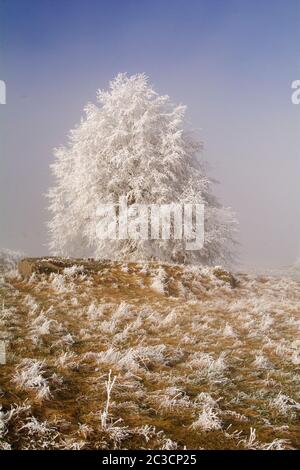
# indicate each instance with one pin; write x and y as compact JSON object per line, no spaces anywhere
{"x":133,"y":143}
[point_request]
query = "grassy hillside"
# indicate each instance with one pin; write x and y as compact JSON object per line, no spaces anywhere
{"x":108,"y":355}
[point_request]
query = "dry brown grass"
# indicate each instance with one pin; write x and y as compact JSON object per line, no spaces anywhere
{"x":200,"y":359}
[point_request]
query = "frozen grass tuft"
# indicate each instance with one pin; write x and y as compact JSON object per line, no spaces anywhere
{"x":208,"y":420}
{"x":73,"y":271}
{"x":30,"y":375}
{"x":33,"y":426}
{"x":158,"y":283}
{"x":285,"y":405}
{"x":205,"y":365}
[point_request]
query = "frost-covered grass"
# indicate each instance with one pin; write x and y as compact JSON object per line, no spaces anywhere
{"x":150,"y":356}
{"x":9,"y":258}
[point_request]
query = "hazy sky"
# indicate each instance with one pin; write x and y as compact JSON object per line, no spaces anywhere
{"x":231,"y":62}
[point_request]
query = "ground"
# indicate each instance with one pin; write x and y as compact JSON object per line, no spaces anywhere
{"x":149,"y":356}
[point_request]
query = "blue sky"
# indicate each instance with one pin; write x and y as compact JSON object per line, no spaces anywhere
{"x":231,"y":63}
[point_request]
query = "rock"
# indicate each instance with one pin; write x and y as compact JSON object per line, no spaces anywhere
{"x":226,"y":276}
{"x":28,"y":266}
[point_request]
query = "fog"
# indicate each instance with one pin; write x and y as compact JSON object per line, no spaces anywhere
{"x":232,"y":65}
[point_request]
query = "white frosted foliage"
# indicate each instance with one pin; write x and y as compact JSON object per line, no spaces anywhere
{"x":132,"y":143}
